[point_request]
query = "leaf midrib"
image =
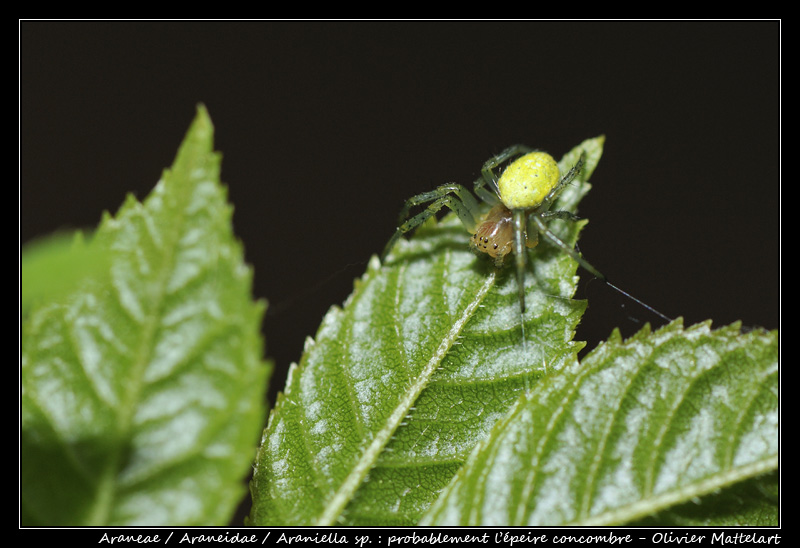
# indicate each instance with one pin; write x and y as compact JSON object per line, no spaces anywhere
{"x":705,"y":486}
{"x":144,"y":352}
{"x":351,"y":483}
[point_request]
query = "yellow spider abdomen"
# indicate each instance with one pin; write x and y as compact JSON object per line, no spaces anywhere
{"x":528,"y":179}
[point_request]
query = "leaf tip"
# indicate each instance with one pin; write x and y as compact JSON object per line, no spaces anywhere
{"x":374,"y":263}
{"x":202,"y":119}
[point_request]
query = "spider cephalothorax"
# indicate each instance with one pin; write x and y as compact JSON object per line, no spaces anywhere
{"x":494,"y":234}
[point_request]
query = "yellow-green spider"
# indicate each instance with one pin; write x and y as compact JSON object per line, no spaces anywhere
{"x":520,"y":200}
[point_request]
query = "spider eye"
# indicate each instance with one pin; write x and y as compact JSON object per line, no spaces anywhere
{"x":528,"y":180}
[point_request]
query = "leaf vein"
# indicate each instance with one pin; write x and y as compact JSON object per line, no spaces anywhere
{"x":370,"y":455}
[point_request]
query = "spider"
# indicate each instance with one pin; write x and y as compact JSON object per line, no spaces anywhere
{"x":519,"y":200}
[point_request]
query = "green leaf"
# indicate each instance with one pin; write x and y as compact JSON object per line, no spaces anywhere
{"x":53,"y":266}
{"x":400,"y":384}
{"x":640,"y":427}
{"x":142,"y":389}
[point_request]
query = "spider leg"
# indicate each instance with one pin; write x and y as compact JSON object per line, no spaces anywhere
{"x":560,"y":214}
{"x":453,"y":196}
{"x":485,"y":195}
{"x":562,"y":183}
{"x":487,"y":171}
{"x":466,"y":199}
{"x":555,"y":240}
{"x":542,"y":228}
{"x":526,"y":234}
{"x":520,"y":255}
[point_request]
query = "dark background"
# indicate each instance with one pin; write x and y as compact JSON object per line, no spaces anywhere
{"x":326,"y":127}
